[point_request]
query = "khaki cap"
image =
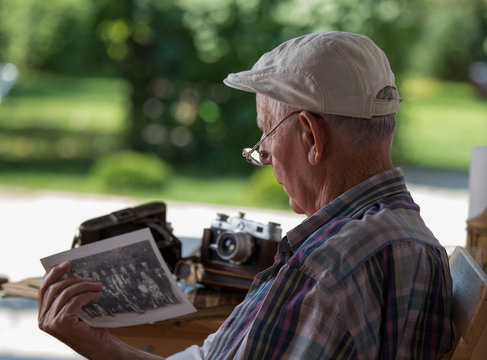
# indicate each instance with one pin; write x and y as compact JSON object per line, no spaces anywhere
{"x":336,"y":73}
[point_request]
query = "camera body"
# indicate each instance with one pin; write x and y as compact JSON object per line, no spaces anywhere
{"x":235,"y":249}
{"x":151,"y":215}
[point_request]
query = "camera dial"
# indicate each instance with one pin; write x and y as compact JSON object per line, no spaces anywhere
{"x":235,"y":247}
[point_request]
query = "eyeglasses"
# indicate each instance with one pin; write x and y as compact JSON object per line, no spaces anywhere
{"x":256,"y":157}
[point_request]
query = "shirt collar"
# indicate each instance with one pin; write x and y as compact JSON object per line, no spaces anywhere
{"x":372,"y":190}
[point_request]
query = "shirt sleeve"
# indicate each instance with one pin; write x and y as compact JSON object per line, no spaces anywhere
{"x":194,"y":352}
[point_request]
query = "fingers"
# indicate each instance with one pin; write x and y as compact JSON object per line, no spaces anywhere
{"x":65,"y":297}
{"x":74,"y":292}
{"x":52,"y":276}
{"x":59,"y":293}
{"x":62,"y":316}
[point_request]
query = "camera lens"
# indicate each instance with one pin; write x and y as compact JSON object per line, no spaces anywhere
{"x":235,"y":247}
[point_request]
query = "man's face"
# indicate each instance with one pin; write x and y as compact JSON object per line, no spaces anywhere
{"x":284,"y":153}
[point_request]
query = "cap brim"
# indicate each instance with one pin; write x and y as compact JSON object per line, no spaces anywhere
{"x":234,"y":81}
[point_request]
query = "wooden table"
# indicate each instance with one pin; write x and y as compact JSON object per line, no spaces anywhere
{"x":167,"y":338}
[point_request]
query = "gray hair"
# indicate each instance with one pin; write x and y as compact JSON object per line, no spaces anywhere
{"x":359,"y":131}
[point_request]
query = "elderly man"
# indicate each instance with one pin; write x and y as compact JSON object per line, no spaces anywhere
{"x":362,"y":276}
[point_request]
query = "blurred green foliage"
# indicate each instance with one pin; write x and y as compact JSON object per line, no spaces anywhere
{"x":264,"y":190}
{"x":171,"y":57}
{"x":55,"y":35}
{"x":453,"y":36}
{"x":442,"y":121}
{"x":130,"y":170}
{"x":57,"y":123}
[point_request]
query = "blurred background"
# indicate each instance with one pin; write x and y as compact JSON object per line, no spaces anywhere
{"x":125,"y":99}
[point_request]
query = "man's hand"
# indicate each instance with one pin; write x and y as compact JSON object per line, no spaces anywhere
{"x":60,"y":302}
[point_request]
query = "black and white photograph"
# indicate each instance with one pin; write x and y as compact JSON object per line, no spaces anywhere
{"x":137,"y":284}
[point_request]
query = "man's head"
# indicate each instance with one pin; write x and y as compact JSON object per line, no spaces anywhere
{"x":342,"y":89}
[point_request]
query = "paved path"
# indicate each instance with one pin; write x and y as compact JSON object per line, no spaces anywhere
{"x":37,"y":224}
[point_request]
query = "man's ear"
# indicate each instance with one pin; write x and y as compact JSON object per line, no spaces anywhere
{"x":313,"y":136}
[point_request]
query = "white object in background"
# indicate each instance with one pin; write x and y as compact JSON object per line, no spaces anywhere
{"x":8,"y":76}
{"x":477,"y":181}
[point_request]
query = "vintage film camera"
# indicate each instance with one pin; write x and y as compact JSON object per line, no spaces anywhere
{"x":235,"y":249}
{"x":151,"y":215}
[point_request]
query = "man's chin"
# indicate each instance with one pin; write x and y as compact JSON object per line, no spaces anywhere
{"x":294,"y":207}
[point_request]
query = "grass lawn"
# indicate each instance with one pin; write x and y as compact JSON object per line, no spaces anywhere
{"x":62,"y":102}
{"x":52,"y":127}
{"x":221,"y":191}
{"x":51,"y":117}
{"x":439,"y":122}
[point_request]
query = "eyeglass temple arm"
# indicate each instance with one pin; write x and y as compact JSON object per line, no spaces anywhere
{"x":270,"y":132}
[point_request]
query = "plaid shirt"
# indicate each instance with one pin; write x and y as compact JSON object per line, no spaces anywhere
{"x":363,"y":278}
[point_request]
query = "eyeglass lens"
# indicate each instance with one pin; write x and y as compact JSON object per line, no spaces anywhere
{"x":253,"y":156}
